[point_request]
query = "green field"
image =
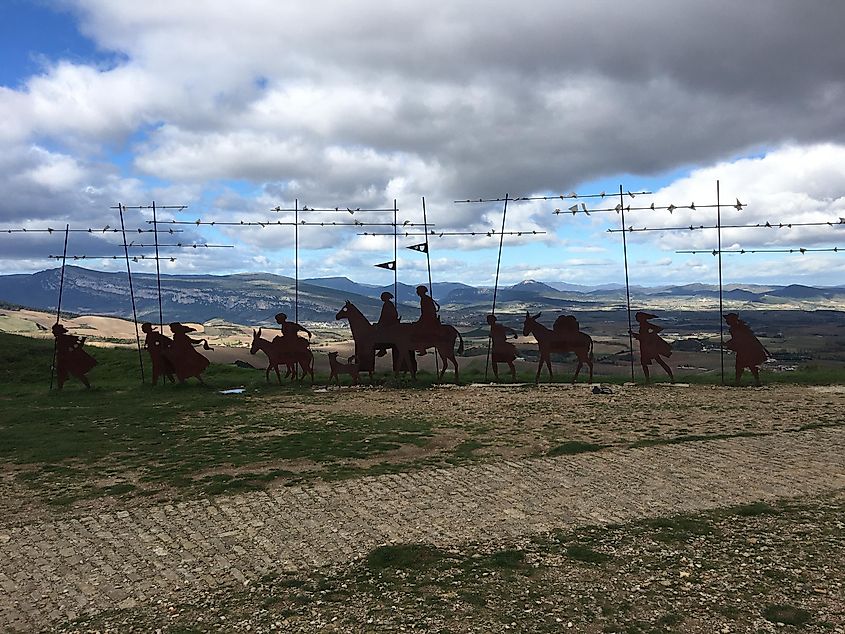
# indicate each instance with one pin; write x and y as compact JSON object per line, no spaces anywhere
{"x":123,"y":438}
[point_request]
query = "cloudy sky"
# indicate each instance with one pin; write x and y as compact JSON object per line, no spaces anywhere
{"x":234,"y":109}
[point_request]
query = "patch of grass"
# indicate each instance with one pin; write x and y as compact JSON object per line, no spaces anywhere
{"x":729,"y":611}
{"x":678,"y":528}
{"x":753,"y":510}
{"x":580,"y":552}
{"x":405,"y":556}
{"x":168,"y":436}
{"x":508,"y":559}
{"x":669,"y":619}
{"x":650,"y":442}
{"x":573,"y":447}
{"x":786,"y":614}
{"x":465,"y":450}
{"x":119,"y":489}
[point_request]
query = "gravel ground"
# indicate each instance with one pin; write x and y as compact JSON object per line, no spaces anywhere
{"x":756,"y":568}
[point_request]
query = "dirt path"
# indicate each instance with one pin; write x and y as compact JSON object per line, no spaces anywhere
{"x":58,"y":570}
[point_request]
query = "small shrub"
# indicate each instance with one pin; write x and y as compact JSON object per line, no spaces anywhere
{"x":573,"y":447}
{"x":579,"y":552}
{"x":786,"y":614}
{"x":413,"y":556}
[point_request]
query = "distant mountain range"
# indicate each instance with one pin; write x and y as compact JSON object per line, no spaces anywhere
{"x":254,"y":298}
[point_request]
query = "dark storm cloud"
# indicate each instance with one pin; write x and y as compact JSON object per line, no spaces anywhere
{"x":361,"y":103}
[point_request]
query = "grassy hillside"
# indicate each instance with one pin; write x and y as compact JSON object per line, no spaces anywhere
{"x":124,"y":438}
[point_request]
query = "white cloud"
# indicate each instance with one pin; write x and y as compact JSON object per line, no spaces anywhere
{"x":787,"y":185}
{"x":361,"y":103}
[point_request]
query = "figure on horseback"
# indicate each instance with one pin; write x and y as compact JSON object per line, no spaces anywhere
{"x":368,"y":337}
{"x":290,"y":344}
{"x":402,"y":338}
{"x":428,"y":325}
{"x":567,"y":338}
{"x":280,"y":354}
{"x":429,"y":331}
{"x":389,"y":317}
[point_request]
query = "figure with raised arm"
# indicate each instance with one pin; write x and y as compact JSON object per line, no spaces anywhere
{"x":186,"y":361}
{"x":71,"y":359}
{"x":290,"y":332}
{"x":750,"y":353}
{"x":652,"y":346}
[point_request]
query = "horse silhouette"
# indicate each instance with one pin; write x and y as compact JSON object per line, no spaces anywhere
{"x":403,"y":338}
{"x":550,"y":341}
{"x":280,"y":354}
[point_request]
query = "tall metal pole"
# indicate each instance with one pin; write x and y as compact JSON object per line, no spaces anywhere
{"x":131,"y":293}
{"x":158,"y":271}
{"x":496,"y":283}
{"x":62,"y":277}
{"x":395,"y":254}
{"x":296,"y":259}
{"x":721,"y":307}
{"x":627,"y":285}
{"x":430,"y":286}
{"x":59,"y":307}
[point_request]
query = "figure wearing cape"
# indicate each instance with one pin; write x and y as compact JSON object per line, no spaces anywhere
{"x":71,"y":359}
{"x":652,"y":346}
{"x":156,"y":343}
{"x":750,"y":353}
{"x":186,"y":361}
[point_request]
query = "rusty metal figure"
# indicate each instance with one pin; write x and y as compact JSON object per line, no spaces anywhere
{"x":71,"y":359}
{"x":567,"y":338}
{"x":186,"y":361}
{"x":156,"y":343}
{"x":652,"y":346}
{"x":342,"y":368}
{"x":750,"y":353}
{"x":279,"y":354}
{"x":503,"y":351}
{"x":389,"y":317}
{"x":368,"y":337}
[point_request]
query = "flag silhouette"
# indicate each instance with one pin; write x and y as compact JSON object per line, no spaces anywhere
{"x":390,"y":266}
{"x":422,"y":247}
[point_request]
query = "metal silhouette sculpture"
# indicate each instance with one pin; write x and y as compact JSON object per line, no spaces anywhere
{"x":503,"y":350}
{"x":429,"y":322}
{"x":429,"y":332}
{"x":71,"y":359}
{"x":283,"y":353}
{"x":750,"y":353}
{"x":368,"y":337}
{"x":566,"y":337}
{"x":186,"y":361}
{"x":389,"y":317}
{"x":338,"y":368}
{"x":156,"y":344}
{"x":652,"y":346}
{"x":404,"y":339}
{"x":291,"y":345}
